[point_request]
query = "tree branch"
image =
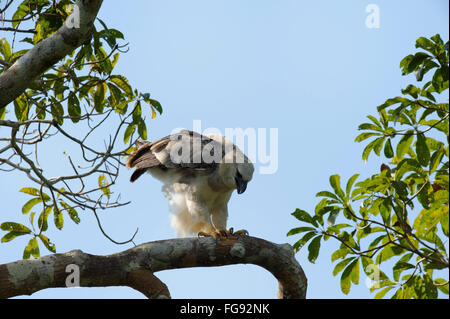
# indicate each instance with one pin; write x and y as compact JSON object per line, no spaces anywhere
{"x":135,"y":267}
{"x":46,"y":53}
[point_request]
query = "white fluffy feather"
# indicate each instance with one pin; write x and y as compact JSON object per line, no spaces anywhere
{"x":198,"y":197}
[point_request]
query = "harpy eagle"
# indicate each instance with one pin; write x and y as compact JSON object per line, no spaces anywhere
{"x":199,"y":174}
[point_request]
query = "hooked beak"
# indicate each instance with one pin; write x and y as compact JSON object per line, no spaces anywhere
{"x":241,"y":185}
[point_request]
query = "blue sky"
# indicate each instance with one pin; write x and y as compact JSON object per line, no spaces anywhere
{"x":311,"y":69}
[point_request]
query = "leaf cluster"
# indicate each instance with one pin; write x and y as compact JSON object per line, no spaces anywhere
{"x":401,"y":213}
{"x":81,"y":93}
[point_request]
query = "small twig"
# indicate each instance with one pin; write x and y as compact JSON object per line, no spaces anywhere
{"x":4,"y":63}
{"x":18,"y":30}
{"x":106,"y":235}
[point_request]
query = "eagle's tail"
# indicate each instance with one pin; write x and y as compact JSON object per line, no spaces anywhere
{"x":136,"y":174}
{"x":141,"y":159}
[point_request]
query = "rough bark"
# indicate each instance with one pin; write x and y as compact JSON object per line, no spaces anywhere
{"x":135,"y":267}
{"x":15,"y":79}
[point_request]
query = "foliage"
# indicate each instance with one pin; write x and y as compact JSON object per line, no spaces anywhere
{"x":82,"y":93}
{"x":399,"y":214}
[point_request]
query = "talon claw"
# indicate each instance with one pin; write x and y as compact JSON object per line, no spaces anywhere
{"x":220,"y":234}
{"x":241,"y":232}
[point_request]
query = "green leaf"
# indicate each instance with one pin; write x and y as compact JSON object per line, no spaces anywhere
{"x":137,"y":112}
{"x":370,"y":126}
{"x":440,"y":284}
{"x":335,"y":182}
{"x":122,"y":107}
{"x":57,"y":111}
{"x":15,"y":227}
{"x":302,"y":215}
{"x":71,"y":211}
{"x":350,"y":183}
{"x":423,"y":153}
{"x":103,"y":184}
{"x":439,"y":79}
{"x":299,"y":230}
{"x":50,"y":246}
{"x":428,"y":219}
{"x":425,"y":44}
{"x":445,"y":224}
{"x":401,"y":266}
{"x":58,"y":218}
{"x":39,"y":35}
{"x":423,"y":196}
{"x":437,"y":39}
{"x":142,"y":129}
{"x":393,"y":101}
{"x":332,"y":217}
{"x":340,"y":253}
{"x":74,"y":108}
{"x":5,"y":48}
{"x":30,"y":204}
{"x":401,"y":188}
{"x":366,"y":135}
{"x":301,"y":242}
{"x":327,"y":194}
{"x":32,"y":214}
{"x":407,"y":165}
{"x":34,"y":192}
{"x":128,"y":132}
{"x":355,"y":273}
{"x":404,"y":144}
{"x":383,"y":292}
{"x":2,"y":113}
{"x":436,"y":159}
{"x":374,"y":145}
{"x":31,"y":249}
{"x":10,"y":236}
{"x":153,"y":103}
{"x":116,"y":94}
{"x":313,"y":249}
{"x":21,"y":109}
{"x":99,"y":97}
{"x":42,"y":220}
{"x":388,"y":151}
{"x":115,"y":59}
{"x":122,"y":83}
{"x":335,"y":229}
{"x":388,"y":252}
{"x":341,"y":265}
{"x":414,"y":62}
{"x":348,"y":276}
{"x":374,"y":120}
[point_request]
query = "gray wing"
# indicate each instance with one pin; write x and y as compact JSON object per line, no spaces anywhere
{"x":185,"y":149}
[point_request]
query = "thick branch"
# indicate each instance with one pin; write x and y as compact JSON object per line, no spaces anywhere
{"x":135,"y":267}
{"x":14,"y":80}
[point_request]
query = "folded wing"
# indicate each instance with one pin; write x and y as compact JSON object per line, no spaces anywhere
{"x":166,"y":153}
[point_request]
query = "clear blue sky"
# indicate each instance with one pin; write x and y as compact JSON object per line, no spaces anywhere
{"x":312,"y":69}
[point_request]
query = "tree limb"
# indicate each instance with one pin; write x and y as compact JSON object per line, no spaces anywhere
{"x":15,"y":79}
{"x":135,"y":267}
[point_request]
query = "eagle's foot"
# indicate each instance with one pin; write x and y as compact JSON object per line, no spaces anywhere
{"x":222,"y":234}
{"x":217,"y":234}
{"x":241,"y":232}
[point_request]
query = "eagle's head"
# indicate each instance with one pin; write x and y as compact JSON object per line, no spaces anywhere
{"x":243,"y":175}
{"x":236,"y":169}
